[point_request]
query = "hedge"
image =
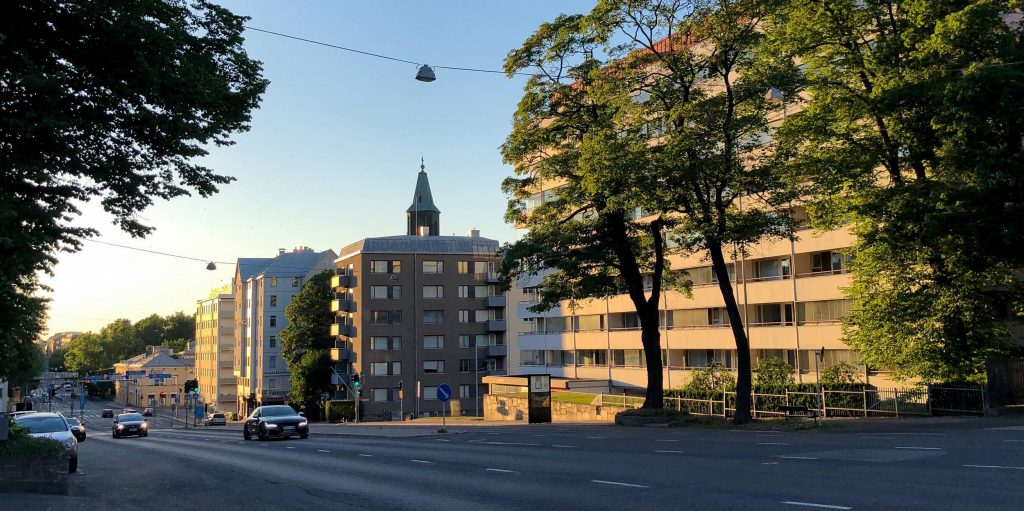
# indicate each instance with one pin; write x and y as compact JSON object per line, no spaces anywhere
{"x":774,"y":403}
{"x":339,"y":410}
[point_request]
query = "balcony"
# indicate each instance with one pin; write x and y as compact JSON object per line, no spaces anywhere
{"x":491,"y":277}
{"x":343,"y":330}
{"x":342,"y":354}
{"x":343,"y":305}
{"x":496,"y":325}
{"x":498,"y":350}
{"x":343,"y":281}
{"x":496,"y":301}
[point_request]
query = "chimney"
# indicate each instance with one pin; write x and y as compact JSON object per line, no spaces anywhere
{"x":474,"y":233}
{"x":280,"y":251}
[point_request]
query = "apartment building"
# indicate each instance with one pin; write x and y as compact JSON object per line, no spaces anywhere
{"x":418,"y":310}
{"x":262,"y":288}
{"x":214,"y":352}
{"x":158,"y":379}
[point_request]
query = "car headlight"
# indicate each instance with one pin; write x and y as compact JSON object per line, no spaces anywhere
{"x":120,"y":426}
{"x":69,"y":442}
{"x":145,"y":425}
{"x":303,"y":424}
{"x":269,"y":425}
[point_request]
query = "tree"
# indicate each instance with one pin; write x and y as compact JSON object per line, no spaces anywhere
{"x":913,"y":133}
{"x":839,"y":374}
{"x":175,"y":345}
{"x":85,"y":354}
{"x":150,"y":330}
{"x":688,"y":74}
{"x":306,"y":341}
{"x":111,"y":101}
{"x":56,"y":359}
{"x":773,"y":372}
{"x":180,"y":326}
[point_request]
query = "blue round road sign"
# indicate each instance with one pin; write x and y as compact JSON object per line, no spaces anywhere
{"x":444,"y":392}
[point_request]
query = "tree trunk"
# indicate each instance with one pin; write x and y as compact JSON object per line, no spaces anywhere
{"x":743,"y":377}
{"x":651,"y":339}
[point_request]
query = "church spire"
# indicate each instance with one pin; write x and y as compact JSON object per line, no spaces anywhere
{"x":423,"y":217}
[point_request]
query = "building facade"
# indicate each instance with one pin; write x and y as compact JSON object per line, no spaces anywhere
{"x":262,"y":288}
{"x":162,"y":383}
{"x":214,"y":352}
{"x":415,"y":311}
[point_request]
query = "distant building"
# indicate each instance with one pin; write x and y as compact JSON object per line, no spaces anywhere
{"x":262,"y":288}
{"x":415,"y":311}
{"x":59,"y":341}
{"x":163,"y":379}
{"x":214,"y":352}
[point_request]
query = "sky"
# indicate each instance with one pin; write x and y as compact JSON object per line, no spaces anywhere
{"x":332,"y":153}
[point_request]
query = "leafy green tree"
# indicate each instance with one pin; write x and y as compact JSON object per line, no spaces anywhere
{"x":175,"y":345}
{"x":112,"y":101}
{"x":710,"y":378}
{"x":773,"y":372}
{"x":56,"y":359}
{"x":839,"y":374}
{"x":85,"y":354}
{"x":180,"y":326}
{"x":912,"y":133}
{"x":150,"y":330}
{"x":306,"y":341}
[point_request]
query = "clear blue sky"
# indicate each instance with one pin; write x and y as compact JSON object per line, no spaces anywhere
{"x":333,"y":151}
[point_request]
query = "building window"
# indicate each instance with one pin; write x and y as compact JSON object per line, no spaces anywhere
{"x":483,"y":340}
{"x":592,"y":357}
{"x":379,"y":368}
{"x":386,"y":317}
{"x":464,"y":391}
{"x":273,"y":281}
{"x":272,"y":383}
{"x":771,"y":269}
{"x":463,"y":291}
{"x":433,"y":342}
{"x":433,"y":366}
{"x":430,"y":393}
{"x":396,"y":292}
{"x":273,"y":341}
{"x":433,"y":266}
{"x":463,"y":266}
{"x":532,"y":357}
{"x":718,"y":316}
{"x":480,"y":267}
{"x":482,"y":291}
{"x":379,"y":292}
{"x":396,"y":343}
{"x":627,"y":358}
{"x":465,"y":365}
{"x":295,"y":281}
{"x":482,"y":315}
{"x":272,"y":362}
{"x":381,"y":395}
{"x":433,"y":291}
{"x":273,"y":300}
{"x":378,"y":266}
{"x":769,"y":314}
{"x":463,"y":341}
{"x":379,"y":343}
{"x":433,"y":317}
{"x":396,"y":266}
{"x":828,"y":262}
{"x":463,"y":316}
{"x":273,"y":320}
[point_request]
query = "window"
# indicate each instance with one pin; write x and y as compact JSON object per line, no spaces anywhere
{"x":379,"y":343}
{"x":272,"y":383}
{"x":531,"y":357}
{"x":730,"y":269}
{"x":482,"y":315}
{"x":273,"y":281}
{"x":396,"y":343}
{"x":379,"y":292}
{"x":273,"y":300}
{"x":295,"y":281}
{"x":378,"y":266}
{"x":627,"y":358}
{"x":828,"y":262}
{"x":480,"y":267}
{"x":688,"y":318}
{"x":772,"y":314}
{"x":465,"y":365}
{"x":463,"y":316}
{"x":592,"y":357}
{"x":433,"y":266}
{"x":272,"y":362}
{"x":433,"y":317}
{"x":273,"y":320}
{"x":396,"y":292}
{"x":433,"y":366}
{"x":702,"y":358}
{"x":771,"y":269}
{"x":381,"y":395}
{"x":396,"y":266}
{"x":273,"y":341}
{"x":590,"y":323}
{"x":433,"y":291}
{"x":825,"y":311}
{"x":463,"y":341}
{"x":482,"y":340}
{"x":718,"y":316}
{"x":463,"y":266}
{"x":482,"y":291}
{"x":433,"y":342}
{"x":464,"y":391}
{"x":429,"y":393}
{"x":463,"y":291}
{"x":386,"y":317}
{"x":379,"y":368}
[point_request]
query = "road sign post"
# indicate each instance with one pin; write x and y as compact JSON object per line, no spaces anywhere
{"x":444,"y":393}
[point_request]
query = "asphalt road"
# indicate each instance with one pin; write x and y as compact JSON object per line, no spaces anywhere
{"x":948,"y":465}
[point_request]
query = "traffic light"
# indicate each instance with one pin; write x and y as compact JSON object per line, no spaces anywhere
{"x":356,"y":384}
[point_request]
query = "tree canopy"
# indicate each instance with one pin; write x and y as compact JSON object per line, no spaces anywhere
{"x":120,"y":339}
{"x":111,"y":101}
{"x":307,"y":340}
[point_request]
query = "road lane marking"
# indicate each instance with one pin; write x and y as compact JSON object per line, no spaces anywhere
{"x":921,"y":448}
{"x":878,"y":437}
{"x":322,"y":450}
{"x":564,"y":446}
{"x":422,"y":461}
{"x":797,"y":457}
{"x":995,"y":466}
{"x":670,"y":452}
{"x":1013,"y":440}
{"x":509,"y":443}
{"x":366,"y":455}
{"x":770,"y":463}
{"x":772,"y":443}
{"x":289,"y":447}
{"x":503,"y":471}
{"x":616,"y":483}
{"x":596,"y":437}
{"x":663,"y":440}
{"x":441,"y":440}
{"x":474,"y":441}
{"x":811,"y":504}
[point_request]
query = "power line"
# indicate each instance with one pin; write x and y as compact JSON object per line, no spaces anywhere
{"x":378,"y":55}
{"x":155,"y":252}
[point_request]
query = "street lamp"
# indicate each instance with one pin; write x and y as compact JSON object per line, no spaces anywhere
{"x":425,"y":74}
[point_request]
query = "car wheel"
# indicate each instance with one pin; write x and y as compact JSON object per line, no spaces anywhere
{"x":263,"y":433}
{"x":115,"y":435}
{"x":73,"y":465}
{"x":245,"y":433}
{"x":146,"y":433}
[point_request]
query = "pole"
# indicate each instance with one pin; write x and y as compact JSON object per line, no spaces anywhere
{"x":817,"y":382}
{"x":476,"y":379}
{"x":444,"y":414}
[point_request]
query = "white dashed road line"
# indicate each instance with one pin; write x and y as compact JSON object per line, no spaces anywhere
{"x":289,"y":447}
{"x":422,"y":461}
{"x":797,"y":458}
{"x":366,"y":455}
{"x":670,"y":452}
{"x":995,"y":466}
{"x":441,"y":440}
{"x":811,"y":504}
{"x":921,"y":448}
{"x":322,"y":450}
{"x":616,"y":483}
{"x":500,"y":470}
{"x":772,"y":443}
{"x":564,"y":446}
{"x":509,"y":443}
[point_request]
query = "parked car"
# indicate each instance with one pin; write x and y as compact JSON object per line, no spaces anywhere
{"x":107,"y":413}
{"x":129,"y":410}
{"x":216,"y":419}
{"x":77,"y":428}
{"x":130,"y":424}
{"x":147,"y":412}
{"x":15,"y":415}
{"x":275,"y":421}
{"x":54,"y":427}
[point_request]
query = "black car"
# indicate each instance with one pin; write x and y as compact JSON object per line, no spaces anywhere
{"x":107,"y":413}
{"x":130,"y":424}
{"x":77,"y":428}
{"x":275,"y":421}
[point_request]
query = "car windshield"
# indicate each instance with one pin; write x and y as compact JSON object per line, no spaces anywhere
{"x":276,"y":411}
{"x":42,"y":424}
{"x":74,"y":422}
{"x":129,"y":417}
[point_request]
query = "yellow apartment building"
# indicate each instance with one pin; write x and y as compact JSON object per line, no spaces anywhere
{"x":152,"y":379}
{"x":214,"y":352}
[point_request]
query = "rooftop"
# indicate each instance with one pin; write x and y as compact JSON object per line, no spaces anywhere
{"x":406,"y":244}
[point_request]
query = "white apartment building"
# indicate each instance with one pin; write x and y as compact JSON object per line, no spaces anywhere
{"x":214,"y":352}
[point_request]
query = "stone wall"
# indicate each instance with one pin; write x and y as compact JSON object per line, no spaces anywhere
{"x":503,"y":407}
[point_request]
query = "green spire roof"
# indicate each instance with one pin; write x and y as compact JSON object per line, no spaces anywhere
{"x":422,"y":200}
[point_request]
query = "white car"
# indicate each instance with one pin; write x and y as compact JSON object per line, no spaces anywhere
{"x":15,"y":415}
{"x":216,"y":419}
{"x":52,"y":426}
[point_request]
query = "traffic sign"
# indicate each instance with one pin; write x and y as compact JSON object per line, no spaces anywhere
{"x":444,"y":392}
{"x":133,"y":374}
{"x":161,"y":375}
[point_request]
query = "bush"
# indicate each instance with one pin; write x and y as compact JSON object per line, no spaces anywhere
{"x":710,"y":378}
{"x":338,"y":410}
{"x":839,"y":374}
{"x":773,"y":372}
{"x":18,"y":442}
